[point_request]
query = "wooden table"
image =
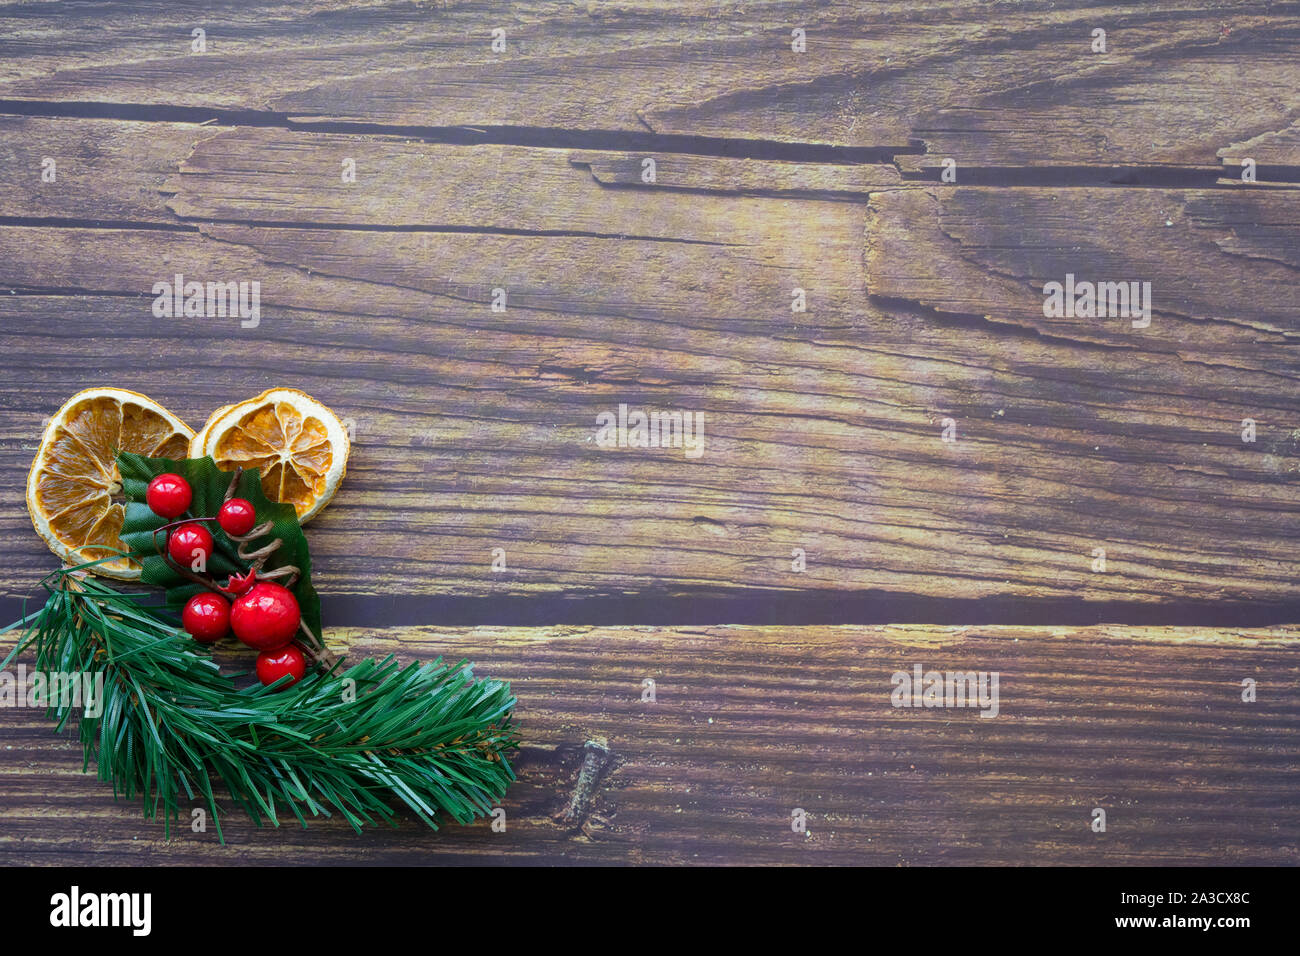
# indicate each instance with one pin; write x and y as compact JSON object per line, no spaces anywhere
{"x":473,"y":252}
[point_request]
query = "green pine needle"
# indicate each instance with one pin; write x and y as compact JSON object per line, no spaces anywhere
{"x":433,"y":737}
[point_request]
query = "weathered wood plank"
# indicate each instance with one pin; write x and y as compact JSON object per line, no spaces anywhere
{"x":749,"y":724}
{"x":118,"y":171}
{"x":102,"y":170}
{"x":1220,"y":273}
{"x":1174,"y":85}
{"x":284,"y":176}
{"x":476,"y":429}
{"x":275,"y":176}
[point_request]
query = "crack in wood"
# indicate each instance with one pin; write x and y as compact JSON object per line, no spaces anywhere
{"x":535,"y":136}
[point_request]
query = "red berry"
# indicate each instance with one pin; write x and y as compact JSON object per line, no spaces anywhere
{"x":237,"y":517}
{"x":169,"y":496}
{"x":206,"y":617}
{"x":186,"y":540}
{"x":239,"y":583}
{"x":267,"y":617}
{"x":272,"y":665}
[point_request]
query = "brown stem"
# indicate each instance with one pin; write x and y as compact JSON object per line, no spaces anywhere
{"x":178,"y":567}
{"x":258,"y":558}
{"x":234,"y":483}
{"x":319,"y":653}
{"x":287,"y":571}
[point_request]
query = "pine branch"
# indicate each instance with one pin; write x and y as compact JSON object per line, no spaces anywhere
{"x":348,"y":741}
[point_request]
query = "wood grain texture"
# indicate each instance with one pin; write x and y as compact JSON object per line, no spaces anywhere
{"x":476,"y":429}
{"x":1176,"y":83}
{"x":774,"y":171}
{"x":1221,"y":263}
{"x":751,"y":723}
{"x":296,"y":178}
{"x":1276,"y":153}
{"x":1168,"y":90}
{"x":110,"y":171}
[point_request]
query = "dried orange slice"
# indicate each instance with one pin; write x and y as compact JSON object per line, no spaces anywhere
{"x":299,"y":446}
{"x":74,"y":488}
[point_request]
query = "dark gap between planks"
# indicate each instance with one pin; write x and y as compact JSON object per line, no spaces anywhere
{"x":802,"y":608}
{"x":542,"y":137}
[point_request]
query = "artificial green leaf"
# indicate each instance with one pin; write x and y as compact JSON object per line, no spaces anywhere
{"x":209,"y":485}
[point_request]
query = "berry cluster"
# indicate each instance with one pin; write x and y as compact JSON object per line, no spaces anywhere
{"x":263,"y":615}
